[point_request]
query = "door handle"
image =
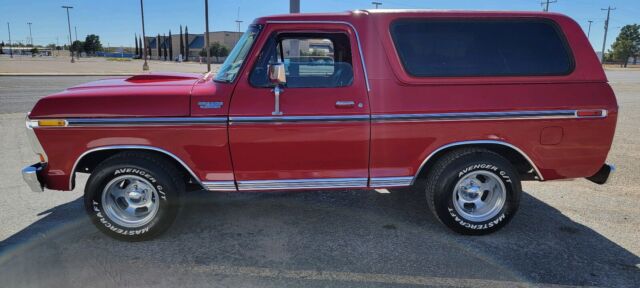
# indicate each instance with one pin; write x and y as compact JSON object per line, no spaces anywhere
{"x":345,"y":104}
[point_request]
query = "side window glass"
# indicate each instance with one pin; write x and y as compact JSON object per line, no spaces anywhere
{"x":311,"y":61}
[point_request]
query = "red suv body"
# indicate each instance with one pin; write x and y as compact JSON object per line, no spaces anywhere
{"x":366,"y":99}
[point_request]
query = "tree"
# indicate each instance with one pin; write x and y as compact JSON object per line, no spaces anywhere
{"x":158,"y":46}
{"x":1,"y":47}
{"x":627,"y":45}
{"x":148,"y":48}
{"x":77,"y":47}
{"x":186,"y":43}
{"x":137,"y":50}
{"x":92,"y":44}
{"x":170,"y":46}
{"x":181,"y":43}
{"x":164,"y":46}
{"x":34,"y":51}
{"x":216,"y":50}
{"x":141,"y":47}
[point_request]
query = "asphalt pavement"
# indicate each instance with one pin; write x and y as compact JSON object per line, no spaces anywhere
{"x":572,"y":233}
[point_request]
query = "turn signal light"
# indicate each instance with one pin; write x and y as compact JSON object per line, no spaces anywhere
{"x":52,"y":123}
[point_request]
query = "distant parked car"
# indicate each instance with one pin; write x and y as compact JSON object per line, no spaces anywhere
{"x":462,"y":105}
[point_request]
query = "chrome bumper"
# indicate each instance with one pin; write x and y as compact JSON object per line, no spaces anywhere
{"x":602,"y":176}
{"x":30,"y":175}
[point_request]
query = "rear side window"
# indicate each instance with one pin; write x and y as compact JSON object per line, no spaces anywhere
{"x":461,"y":48}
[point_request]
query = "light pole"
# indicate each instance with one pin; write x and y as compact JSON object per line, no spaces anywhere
{"x":145,"y":66}
{"x":69,"y":25}
{"x":10,"y":49}
{"x":206,"y":35}
{"x":238,"y":21}
{"x":376,"y":4}
{"x":30,"y":36}
{"x":589,"y":31}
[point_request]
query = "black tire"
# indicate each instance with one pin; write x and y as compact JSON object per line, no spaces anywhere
{"x":158,"y":172}
{"x":453,"y":167}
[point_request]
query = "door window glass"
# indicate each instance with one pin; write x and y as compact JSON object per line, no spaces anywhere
{"x":310,"y":60}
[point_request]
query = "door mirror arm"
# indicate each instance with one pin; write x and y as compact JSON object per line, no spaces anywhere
{"x":278,"y":77}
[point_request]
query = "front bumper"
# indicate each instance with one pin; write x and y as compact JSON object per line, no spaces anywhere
{"x":602,"y":176}
{"x":31,"y":175}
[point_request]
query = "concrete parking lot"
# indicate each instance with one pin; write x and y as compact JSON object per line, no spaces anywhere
{"x":567,"y":233}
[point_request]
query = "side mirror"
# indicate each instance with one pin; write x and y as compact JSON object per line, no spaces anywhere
{"x":277,"y":74}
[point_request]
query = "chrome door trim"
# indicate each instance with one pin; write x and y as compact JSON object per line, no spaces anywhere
{"x":220,"y":185}
{"x":144,"y":121}
{"x":296,"y":119}
{"x":302,"y":184}
{"x":377,"y":182}
{"x":134,"y":147}
{"x":472,"y":142}
{"x":364,"y":66}
{"x":497,"y":115}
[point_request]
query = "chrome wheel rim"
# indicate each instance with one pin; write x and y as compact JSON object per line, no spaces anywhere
{"x":130,"y":201}
{"x":479,"y":196}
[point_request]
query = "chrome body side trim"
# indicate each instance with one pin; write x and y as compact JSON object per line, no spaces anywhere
{"x":364,"y":65}
{"x":151,"y":121}
{"x":132,"y":147}
{"x":302,"y":184}
{"x":473,"y":142}
{"x":390,"y":181}
{"x":293,"y":119}
{"x":220,"y":185}
{"x":466,"y":116}
{"x":33,"y":139}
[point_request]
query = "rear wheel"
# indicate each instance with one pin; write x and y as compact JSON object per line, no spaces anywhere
{"x":133,"y":196}
{"x":473,"y":191}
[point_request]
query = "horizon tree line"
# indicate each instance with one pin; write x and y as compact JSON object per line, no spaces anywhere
{"x":164,"y":47}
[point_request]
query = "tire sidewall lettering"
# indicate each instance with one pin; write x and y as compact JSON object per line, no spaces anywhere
{"x":98,"y":209}
{"x":496,"y":220}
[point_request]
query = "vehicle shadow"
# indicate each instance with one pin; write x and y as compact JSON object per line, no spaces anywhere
{"x":351,"y":231}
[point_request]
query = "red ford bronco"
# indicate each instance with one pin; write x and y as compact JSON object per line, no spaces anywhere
{"x":465,"y":105}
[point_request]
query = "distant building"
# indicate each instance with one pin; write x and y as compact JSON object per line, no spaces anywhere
{"x":195,"y":43}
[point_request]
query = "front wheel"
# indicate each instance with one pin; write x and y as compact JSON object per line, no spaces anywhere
{"x":473,"y":191}
{"x":133,"y":196}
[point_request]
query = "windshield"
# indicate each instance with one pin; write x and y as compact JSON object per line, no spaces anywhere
{"x":232,"y":64}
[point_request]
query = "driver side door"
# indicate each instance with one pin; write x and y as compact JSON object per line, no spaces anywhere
{"x":321,"y":140}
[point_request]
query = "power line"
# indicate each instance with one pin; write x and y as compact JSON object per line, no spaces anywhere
{"x":606,"y":29}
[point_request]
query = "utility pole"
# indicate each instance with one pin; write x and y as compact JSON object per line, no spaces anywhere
{"x":606,"y":29}
{"x":69,"y":25}
{"x":546,"y":3}
{"x":376,"y":4}
{"x":589,"y":30}
{"x":294,"y":6}
{"x":10,"y":49}
{"x":206,"y":38}
{"x":145,"y":66}
{"x":30,"y":36}
{"x":75,"y":28}
{"x":294,"y":46}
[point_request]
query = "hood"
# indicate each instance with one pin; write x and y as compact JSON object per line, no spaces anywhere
{"x":147,"y":95}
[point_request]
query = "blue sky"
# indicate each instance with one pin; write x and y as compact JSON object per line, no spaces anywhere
{"x":116,"y":21}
